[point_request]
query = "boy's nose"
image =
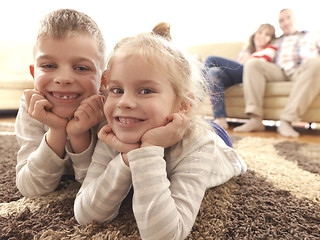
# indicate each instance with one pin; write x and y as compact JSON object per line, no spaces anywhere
{"x":64,"y":78}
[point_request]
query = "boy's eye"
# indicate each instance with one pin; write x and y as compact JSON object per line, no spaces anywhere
{"x":48,"y":66}
{"x":146,"y":91}
{"x":81,"y":68}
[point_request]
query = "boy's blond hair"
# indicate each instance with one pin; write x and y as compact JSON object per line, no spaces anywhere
{"x":66,"y":22}
{"x":184,"y":73}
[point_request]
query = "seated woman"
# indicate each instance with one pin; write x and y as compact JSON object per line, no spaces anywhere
{"x":222,"y":73}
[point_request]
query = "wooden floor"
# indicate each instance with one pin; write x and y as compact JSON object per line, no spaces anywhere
{"x":306,"y":135}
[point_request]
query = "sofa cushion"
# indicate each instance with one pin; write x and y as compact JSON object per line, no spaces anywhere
{"x":226,"y":50}
{"x":14,"y":73}
{"x":276,"y":97}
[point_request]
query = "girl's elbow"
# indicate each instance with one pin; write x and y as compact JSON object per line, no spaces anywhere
{"x":81,"y":220}
{"x":78,"y":214}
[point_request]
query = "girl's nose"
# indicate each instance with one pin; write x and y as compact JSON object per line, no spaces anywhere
{"x":126,"y":101}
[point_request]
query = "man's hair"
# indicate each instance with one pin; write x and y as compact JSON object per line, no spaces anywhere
{"x":66,"y":22}
{"x":285,"y":9}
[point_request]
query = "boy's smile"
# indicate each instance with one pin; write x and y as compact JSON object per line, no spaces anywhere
{"x":65,"y":96}
{"x":66,"y":71}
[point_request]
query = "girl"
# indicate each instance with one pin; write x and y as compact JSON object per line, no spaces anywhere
{"x":155,"y":142}
{"x":222,"y":73}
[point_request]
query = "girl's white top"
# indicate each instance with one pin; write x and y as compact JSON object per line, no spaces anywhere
{"x":168,"y":184}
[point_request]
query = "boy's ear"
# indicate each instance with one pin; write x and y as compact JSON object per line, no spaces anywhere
{"x":31,"y":70}
{"x":104,"y":82}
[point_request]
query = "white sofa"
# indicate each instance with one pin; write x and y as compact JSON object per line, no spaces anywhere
{"x":14,"y":73}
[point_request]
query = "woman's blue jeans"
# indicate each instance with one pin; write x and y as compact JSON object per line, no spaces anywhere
{"x":221,"y":73}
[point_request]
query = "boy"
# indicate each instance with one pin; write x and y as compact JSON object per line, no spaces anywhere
{"x":57,"y":120}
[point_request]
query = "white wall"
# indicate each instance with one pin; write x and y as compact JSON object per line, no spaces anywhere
{"x":192,"y":22}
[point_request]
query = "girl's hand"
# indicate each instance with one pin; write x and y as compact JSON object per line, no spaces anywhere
{"x":39,"y":108}
{"x":88,"y":114}
{"x":106,"y":135}
{"x":168,"y":135}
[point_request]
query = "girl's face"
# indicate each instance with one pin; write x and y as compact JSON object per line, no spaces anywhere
{"x":262,"y":37}
{"x":139,"y":99}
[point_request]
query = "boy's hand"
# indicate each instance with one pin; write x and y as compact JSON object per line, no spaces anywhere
{"x":88,"y":114}
{"x":39,"y":108}
{"x":168,"y":135}
{"x":106,"y":135}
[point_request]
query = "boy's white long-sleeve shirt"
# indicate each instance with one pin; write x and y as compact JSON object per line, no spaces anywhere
{"x":39,"y":169}
{"x":169,"y":184}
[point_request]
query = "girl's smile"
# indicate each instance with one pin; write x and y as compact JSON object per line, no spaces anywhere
{"x":139,"y":99}
{"x":128,"y":122}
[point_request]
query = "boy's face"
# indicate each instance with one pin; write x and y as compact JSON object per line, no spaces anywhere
{"x":139,"y":99}
{"x":66,"y":71}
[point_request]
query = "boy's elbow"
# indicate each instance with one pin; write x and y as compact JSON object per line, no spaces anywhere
{"x":22,"y":191}
{"x":25,"y":190}
{"x":29,"y":187}
{"x":28,"y":191}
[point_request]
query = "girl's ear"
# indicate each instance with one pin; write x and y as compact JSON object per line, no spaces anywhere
{"x":185,"y":106}
{"x":103,"y":84}
{"x":31,"y":70}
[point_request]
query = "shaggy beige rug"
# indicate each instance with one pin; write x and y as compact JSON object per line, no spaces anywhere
{"x":278,"y":198}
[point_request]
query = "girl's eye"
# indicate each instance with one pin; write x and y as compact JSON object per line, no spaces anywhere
{"x":116,"y":90}
{"x":146,"y":91}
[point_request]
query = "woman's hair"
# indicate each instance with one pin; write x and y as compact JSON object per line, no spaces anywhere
{"x":66,"y":22}
{"x":251,"y":47}
{"x":157,"y":51}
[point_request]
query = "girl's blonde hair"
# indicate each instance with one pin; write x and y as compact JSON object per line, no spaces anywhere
{"x":157,"y":51}
{"x":66,"y":22}
{"x":251,"y":47}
